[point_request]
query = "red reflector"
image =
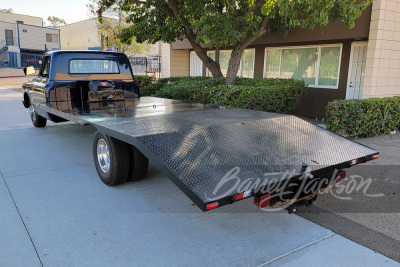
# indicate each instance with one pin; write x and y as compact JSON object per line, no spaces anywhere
{"x":375,"y":156}
{"x":212,"y":206}
{"x":238,"y":196}
{"x":340,"y":176}
{"x":262,"y":201}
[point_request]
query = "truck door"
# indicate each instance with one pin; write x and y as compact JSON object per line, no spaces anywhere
{"x":39,"y":84}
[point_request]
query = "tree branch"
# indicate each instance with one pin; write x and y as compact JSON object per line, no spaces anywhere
{"x":138,"y":2}
{"x":249,"y":39}
{"x":164,"y":8}
{"x":191,"y":36}
{"x":185,"y":23}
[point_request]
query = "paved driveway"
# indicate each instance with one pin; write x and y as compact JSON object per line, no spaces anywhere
{"x":55,"y":211}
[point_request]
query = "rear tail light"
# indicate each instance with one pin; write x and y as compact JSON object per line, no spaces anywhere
{"x":262,"y":201}
{"x":340,"y":176}
{"x":238,"y":196}
{"x":242,"y":195}
{"x":375,"y":156}
{"x":212,"y":206}
{"x":357,"y":161}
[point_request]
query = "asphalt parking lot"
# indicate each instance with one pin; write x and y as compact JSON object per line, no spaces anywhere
{"x":55,"y":211}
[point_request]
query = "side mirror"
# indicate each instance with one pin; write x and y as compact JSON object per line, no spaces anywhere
{"x":29,"y":70}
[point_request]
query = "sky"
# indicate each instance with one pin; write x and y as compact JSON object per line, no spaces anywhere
{"x":69,"y":10}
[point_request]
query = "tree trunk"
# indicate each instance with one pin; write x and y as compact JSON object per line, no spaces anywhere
{"x":234,"y":64}
{"x":217,"y":49}
{"x":103,"y":42}
{"x":212,"y":66}
{"x":172,"y":10}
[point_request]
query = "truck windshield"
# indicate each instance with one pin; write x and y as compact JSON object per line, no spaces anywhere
{"x":92,"y":66}
{"x":44,"y":71}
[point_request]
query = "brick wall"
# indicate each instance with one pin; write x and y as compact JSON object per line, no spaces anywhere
{"x":382,"y":72}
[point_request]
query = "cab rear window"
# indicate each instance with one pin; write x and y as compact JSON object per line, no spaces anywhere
{"x":92,"y":66}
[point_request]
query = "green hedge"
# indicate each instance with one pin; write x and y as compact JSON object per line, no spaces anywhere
{"x":274,"y":95}
{"x":143,"y":80}
{"x":153,"y":88}
{"x":364,"y":117}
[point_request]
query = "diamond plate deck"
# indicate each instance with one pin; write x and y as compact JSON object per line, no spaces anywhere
{"x":201,"y":146}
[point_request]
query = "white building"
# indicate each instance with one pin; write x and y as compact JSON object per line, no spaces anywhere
{"x":20,"y":34}
{"x":81,"y":35}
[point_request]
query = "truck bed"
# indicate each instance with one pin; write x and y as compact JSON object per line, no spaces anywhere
{"x":207,"y":150}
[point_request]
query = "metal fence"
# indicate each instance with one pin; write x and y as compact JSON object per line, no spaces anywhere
{"x":146,"y":66}
{"x":20,"y":60}
{"x":140,"y":65}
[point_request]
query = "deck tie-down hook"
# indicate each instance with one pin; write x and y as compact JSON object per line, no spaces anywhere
{"x":304,"y":167}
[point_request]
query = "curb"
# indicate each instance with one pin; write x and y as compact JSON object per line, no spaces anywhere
{"x":20,"y":76}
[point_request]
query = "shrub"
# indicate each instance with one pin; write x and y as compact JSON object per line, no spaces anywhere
{"x":149,"y":90}
{"x":280,"y":96}
{"x":364,"y":117}
{"x":143,"y":80}
{"x":274,"y":95}
{"x":153,"y":88}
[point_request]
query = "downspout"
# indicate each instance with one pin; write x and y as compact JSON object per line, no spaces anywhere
{"x":19,"y":45}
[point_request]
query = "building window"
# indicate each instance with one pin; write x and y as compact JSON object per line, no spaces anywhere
{"x":51,"y":38}
{"x":247,"y":64}
{"x":317,"y":66}
{"x":246,"y":68}
{"x":20,"y":22}
{"x":9,"y":37}
{"x":224,"y":57}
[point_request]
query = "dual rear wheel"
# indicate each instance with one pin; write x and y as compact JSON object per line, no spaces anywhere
{"x":117,"y":162}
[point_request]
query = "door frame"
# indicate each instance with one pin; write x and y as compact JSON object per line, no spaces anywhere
{"x":353,"y":44}
{"x":198,"y":60}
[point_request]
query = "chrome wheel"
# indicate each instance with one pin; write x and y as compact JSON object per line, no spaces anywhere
{"x":103,"y":155}
{"x":32,"y":113}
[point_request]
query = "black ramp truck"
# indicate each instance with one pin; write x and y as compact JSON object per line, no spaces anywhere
{"x":215,"y":155}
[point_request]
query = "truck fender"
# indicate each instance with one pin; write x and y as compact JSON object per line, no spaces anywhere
{"x":27,"y":100}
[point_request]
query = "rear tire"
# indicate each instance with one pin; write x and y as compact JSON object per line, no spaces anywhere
{"x":37,"y":120}
{"x":139,"y":165}
{"x":111,"y":158}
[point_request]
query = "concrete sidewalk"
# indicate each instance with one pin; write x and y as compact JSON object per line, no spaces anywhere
{"x":55,"y":211}
{"x":13,"y":73}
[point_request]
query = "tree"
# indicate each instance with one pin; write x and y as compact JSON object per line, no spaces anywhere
{"x":56,"y":21}
{"x":222,"y":23}
{"x":10,"y":10}
{"x":110,"y":28}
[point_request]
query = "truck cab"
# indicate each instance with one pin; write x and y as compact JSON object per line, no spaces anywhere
{"x":79,"y":82}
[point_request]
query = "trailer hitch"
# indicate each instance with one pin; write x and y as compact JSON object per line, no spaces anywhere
{"x":309,"y":201}
{"x":292,"y":209}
